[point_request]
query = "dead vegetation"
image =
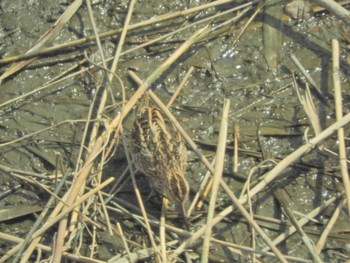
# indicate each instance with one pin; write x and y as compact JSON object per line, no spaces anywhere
{"x":92,"y":214}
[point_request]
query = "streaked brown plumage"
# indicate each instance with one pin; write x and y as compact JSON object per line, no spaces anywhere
{"x":159,"y":152}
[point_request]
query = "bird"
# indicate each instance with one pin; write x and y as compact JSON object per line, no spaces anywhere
{"x":159,"y":151}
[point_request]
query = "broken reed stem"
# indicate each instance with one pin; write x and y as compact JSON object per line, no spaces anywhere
{"x":179,"y":88}
{"x":201,"y":190}
{"x":103,"y":205}
{"x":323,"y":238}
{"x":103,"y":97}
{"x":308,"y":106}
{"x":280,"y":194}
{"x":219,"y":167}
{"x":257,"y":11}
{"x":306,"y":75}
{"x":339,"y":115}
{"x":259,"y":230}
{"x":235,"y":149}
{"x":121,"y":234}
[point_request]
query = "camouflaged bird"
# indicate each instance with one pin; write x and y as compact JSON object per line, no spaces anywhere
{"x":159,"y":152}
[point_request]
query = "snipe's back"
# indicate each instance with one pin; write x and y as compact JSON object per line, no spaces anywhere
{"x":159,"y":152}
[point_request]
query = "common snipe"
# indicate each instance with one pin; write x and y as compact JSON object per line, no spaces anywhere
{"x":159,"y":152}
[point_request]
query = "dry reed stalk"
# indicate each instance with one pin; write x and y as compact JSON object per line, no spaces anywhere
{"x":122,"y":211}
{"x":257,"y":228}
{"x":125,"y":207}
{"x":280,"y":194}
{"x":105,"y":82}
{"x":162,"y":230}
{"x":309,"y":107}
{"x":251,"y":213}
{"x":22,"y":172}
{"x":235,"y":149}
{"x":121,"y":234}
{"x":45,"y":39}
{"x":272,"y":33}
{"x":48,"y":249}
{"x":244,"y":28}
{"x":35,"y":183}
{"x":170,"y":34}
{"x":207,"y":187}
{"x":339,"y":115}
{"x":37,"y":90}
{"x":179,"y":88}
{"x":323,"y":238}
{"x":104,"y":209}
{"x":201,"y":191}
{"x":217,"y":177}
{"x":302,"y":222}
{"x":306,"y":75}
{"x":244,"y":249}
{"x":77,"y":65}
{"x":103,"y":97}
{"x":114,"y":190}
{"x":263,"y":165}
